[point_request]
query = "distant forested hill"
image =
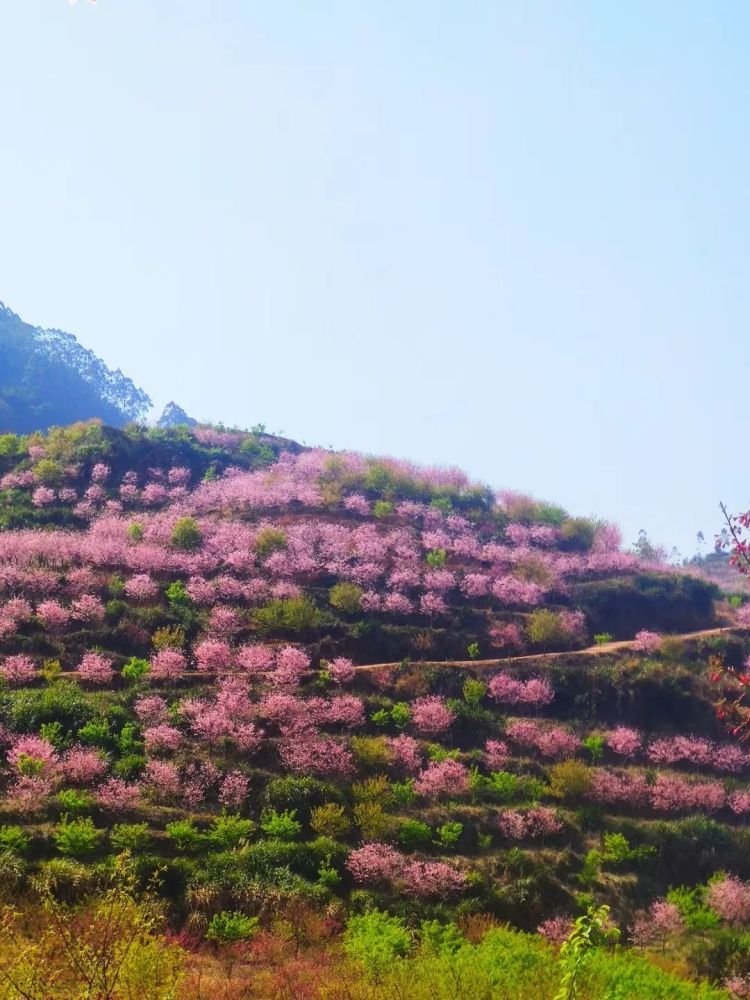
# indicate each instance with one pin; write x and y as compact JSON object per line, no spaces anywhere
{"x":47,"y":378}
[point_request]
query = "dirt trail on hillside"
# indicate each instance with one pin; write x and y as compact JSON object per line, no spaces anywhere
{"x":606,"y":647}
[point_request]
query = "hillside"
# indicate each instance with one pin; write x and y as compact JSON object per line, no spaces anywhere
{"x":47,"y":378}
{"x":226,"y":655}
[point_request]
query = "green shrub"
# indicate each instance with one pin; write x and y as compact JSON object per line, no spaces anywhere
{"x":472,"y":651}
{"x":187,"y":838}
{"x":345,"y":596}
{"x":231,"y":831}
{"x":371,"y":751}
{"x":330,"y":820}
{"x":473,"y":691}
{"x":230,"y":927}
{"x":545,"y":628}
{"x":372,"y":820}
{"x":288,"y":614}
{"x":269,"y":540}
{"x":376,"y":939}
{"x":13,"y":839}
{"x":135,"y":669}
{"x":186,"y":534}
{"x":134,"y":837}
{"x":280,"y":825}
{"x":97,"y":733}
{"x":437,"y":558}
{"x":382,"y":508}
{"x":414,"y":835}
{"x":570,"y":779}
{"x":74,"y":801}
{"x":299,"y":793}
{"x":602,"y":638}
{"x":77,"y":838}
{"x":449,"y":834}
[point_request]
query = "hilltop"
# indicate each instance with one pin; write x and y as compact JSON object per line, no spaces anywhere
{"x":47,"y":378}
{"x":303,"y":689}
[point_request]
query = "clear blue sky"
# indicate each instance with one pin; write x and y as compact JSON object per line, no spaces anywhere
{"x":508,"y":236}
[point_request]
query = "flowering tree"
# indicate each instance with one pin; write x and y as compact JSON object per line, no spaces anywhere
{"x":430,"y":714}
{"x":730,"y":898}
{"x":439,"y":778}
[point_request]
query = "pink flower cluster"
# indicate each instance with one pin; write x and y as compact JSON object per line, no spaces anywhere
{"x":511,"y":691}
{"x":380,"y":863}
{"x":551,"y":741}
{"x":538,"y":822}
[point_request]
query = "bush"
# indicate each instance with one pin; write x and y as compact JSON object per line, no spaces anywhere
{"x":231,"y":831}
{"x":13,"y":839}
{"x":135,"y":669}
{"x":186,"y":534}
{"x":376,"y":940}
{"x":230,"y":927}
{"x":449,"y":834}
{"x":570,"y":779}
{"x":269,"y":540}
{"x":345,"y":596}
{"x":330,"y":820}
{"x":299,"y":794}
{"x":186,"y":836}
{"x":133,"y":837}
{"x":280,"y":825}
{"x":414,"y":835}
{"x":371,"y":751}
{"x":77,"y":838}
{"x":289,"y":614}
{"x":545,"y":628}
{"x":74,"y":801}
{"x":372,"y":820}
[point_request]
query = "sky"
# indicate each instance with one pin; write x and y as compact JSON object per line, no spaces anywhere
{"x":508,"y":236}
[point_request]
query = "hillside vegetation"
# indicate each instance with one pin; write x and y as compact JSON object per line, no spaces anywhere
{"x":224,"y":684}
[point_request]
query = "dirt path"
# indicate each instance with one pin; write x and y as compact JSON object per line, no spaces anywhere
{"x":607,"y":647}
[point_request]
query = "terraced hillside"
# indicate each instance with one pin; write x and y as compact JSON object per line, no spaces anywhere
{"x":189,"y":620}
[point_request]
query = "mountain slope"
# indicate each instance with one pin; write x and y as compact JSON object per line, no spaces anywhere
{"x":47,"y":378}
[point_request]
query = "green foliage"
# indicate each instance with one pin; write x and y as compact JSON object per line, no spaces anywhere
{"x":472,"y":651}
{"x":577,"y":534}
{"x":133,"y":837}
{"x":414,"y":835}
{"x":371,"y":751}
{"x":594,"y":743}
{"x":77,"y":838}
{"x":330,"y":820}
{"x":299,"y":793}
{"x":186,"y":534}
{"x":288,"y":614}
{"x":691,"y":903}
{"x":54,"y":733}
{"x":345,"y":596}
{"x":177,"y":595}
{"x":570,"y":779}
{"x":229,"y":927}
{"x":437,"y":558}
{"x":186,"y":837}
{"x":135,"y":532}
{"x":280,"y":825}
{"x":13,"y":839}
{"x":545,"y":628}
{"x":372,"y":820}
{"x":602,"y":638}
{"x":74,"y":801}
{"x":62,"y":702}
{"x":96,"y":733}
{"x":449,"y":834}
{"x":473,"y":691}
{"x":269,"y":540}
{"x":382,"y":508}
{"x":617,"y":851}
{"x":376,"y":940}
{"x":588,"y":931}
{"x":134,"y":670}
{"x":230,"y":831}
